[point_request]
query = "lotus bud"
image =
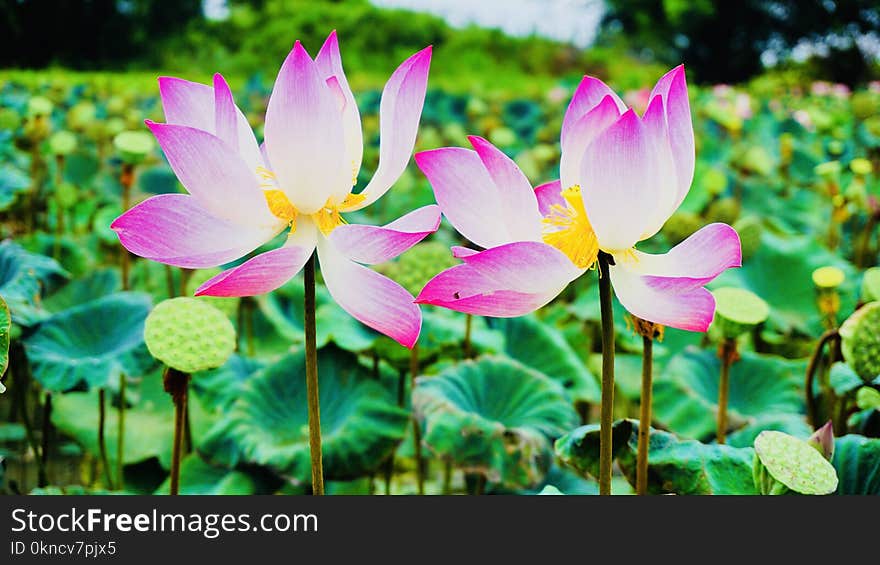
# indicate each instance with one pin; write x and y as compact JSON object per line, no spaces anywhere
{"x":785,"y":464}
{"x":737,"y":311}
{"x":823,"y":440}
{"x":860,"y":341}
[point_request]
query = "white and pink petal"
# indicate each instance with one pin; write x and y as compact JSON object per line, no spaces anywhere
{"x":377,"y":244}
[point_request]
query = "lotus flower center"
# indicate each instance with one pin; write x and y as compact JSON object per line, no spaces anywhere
{"x":327,"y":218}
{"x":568,"y":229}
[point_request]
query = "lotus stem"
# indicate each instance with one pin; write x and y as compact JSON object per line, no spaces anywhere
{"x":466,"y":345}
{"x":645,"y":415}
{"x":59,"y":210}
{"x":728,"y":355}
{"x":447,"y":477}
{"x":21,"y":382}
{"x":102,"y":440}
{"x":312,"y":379}
{"x":120,"y":433}
{"x":177,"y":385}
{"x":417,"y":430}
{"x":47,"y":432}
{"x":606,"y":416}
{"x":812,"y":369}
{"x":126,"y":179}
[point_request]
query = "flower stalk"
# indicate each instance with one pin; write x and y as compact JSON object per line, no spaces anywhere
{"x":102,"y":440}
{"x":607,"y":413}
{"x":417,"y":431}
{"x":728,"y":354}
{"x":312,"y":379}
{"x":648,"y":331}
{"x":177,"y":385}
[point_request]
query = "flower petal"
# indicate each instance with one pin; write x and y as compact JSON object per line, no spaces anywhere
{"x":666,"y":182}
{"x":586,"y":96}
{"x":619,"y":171}
{"x":549,"y":194}
{"x":466,"y":194}
{"x":377,"y":244}
{"x":225,"y":120}
{"x":175,"y":229}
{"x":674,"y":302}
{"x":329,"y":63}
{"x":464,"y":289}
{"x":399,"y":113}
{"x":701,"y":257}
{"x":304,"y":135}
{"x":460,"y":252}
{"x":525,"y":266}
{"x":267,"y":271}
{"x":672,"y":87}
{"x":369,"y":297}
{"x":517,"y":198}
{"x":216,"y":176}
{"x":581,"y":134}
{"x":192,"y":104}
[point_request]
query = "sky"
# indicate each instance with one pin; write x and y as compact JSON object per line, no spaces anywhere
{"x":575,"y":21}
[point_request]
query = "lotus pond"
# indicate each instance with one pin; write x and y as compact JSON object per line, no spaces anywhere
{"x":93,"y":339}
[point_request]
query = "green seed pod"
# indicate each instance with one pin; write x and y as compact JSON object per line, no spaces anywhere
{"x":871,"y":285}
{"x":502,"y":137}
{"x":39,"y":106}
{"x":725,"y":211}
{"x":189,"y":335}
{"x":81,"y":115}
{"x":66,"y":194}
{"x":785,"y":463}
{"x":714,"y":181}
{"x":757,"y":160}
{"x":828,"y":278}
{"x":62,"y":143}
{"x":860,"y":341}
{"x":830,"y":170}
{"x":750,"y":230}
{"x":227,"y":305}
{"x":868,"y":399}
{"x":737,"y":311}
{"x":680,"y":226}
{"x":9,"y":119}
{"x":115,"y":126}
{"x":836,"y":147}
{"x":418,"y":265}
{"x":133,"y":146}
{"x":861,"y":166}
{"x":864,"y":105}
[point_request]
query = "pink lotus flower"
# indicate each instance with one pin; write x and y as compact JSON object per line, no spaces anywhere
{"x":635,"y":171}
{"x":242,"y":195}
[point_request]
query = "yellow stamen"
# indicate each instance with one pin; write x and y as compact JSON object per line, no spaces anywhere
{"x":568,"y":229}
{"x":327,"y":218}
{"x":281,"y":207}
{"x":351,"y":201}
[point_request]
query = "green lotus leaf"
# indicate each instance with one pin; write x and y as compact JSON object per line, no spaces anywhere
{"x":674,"y":466}
{"x":5,"y":327}
{"x":842,"y":379}
{"x":793,"y":260}
{"x":13,"y":182}
{"x":542,"y":347}
{"x":149,"y":423}
{"x":218,"y":388}
{"x":23,"y":278}
{"x":765,"y":393}
{"x":189,"y":335}
{"x":199,"y":477}
{"x":77,"y":254}
{"x":77,"y":292}
{"x":268,"y":423}
{"x":158,"y":180}
{"x":857,"y":460}
{"x":793,"y":463}
{"x":494,"y":416}
{"x":80,"y":168}
{"x":91,"y":343}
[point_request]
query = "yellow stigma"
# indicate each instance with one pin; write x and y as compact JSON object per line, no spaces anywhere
{"x":280,"y":206}
{"x":351,"y":201}
{"x":328,"y":218}
{"x":568,"y":229}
